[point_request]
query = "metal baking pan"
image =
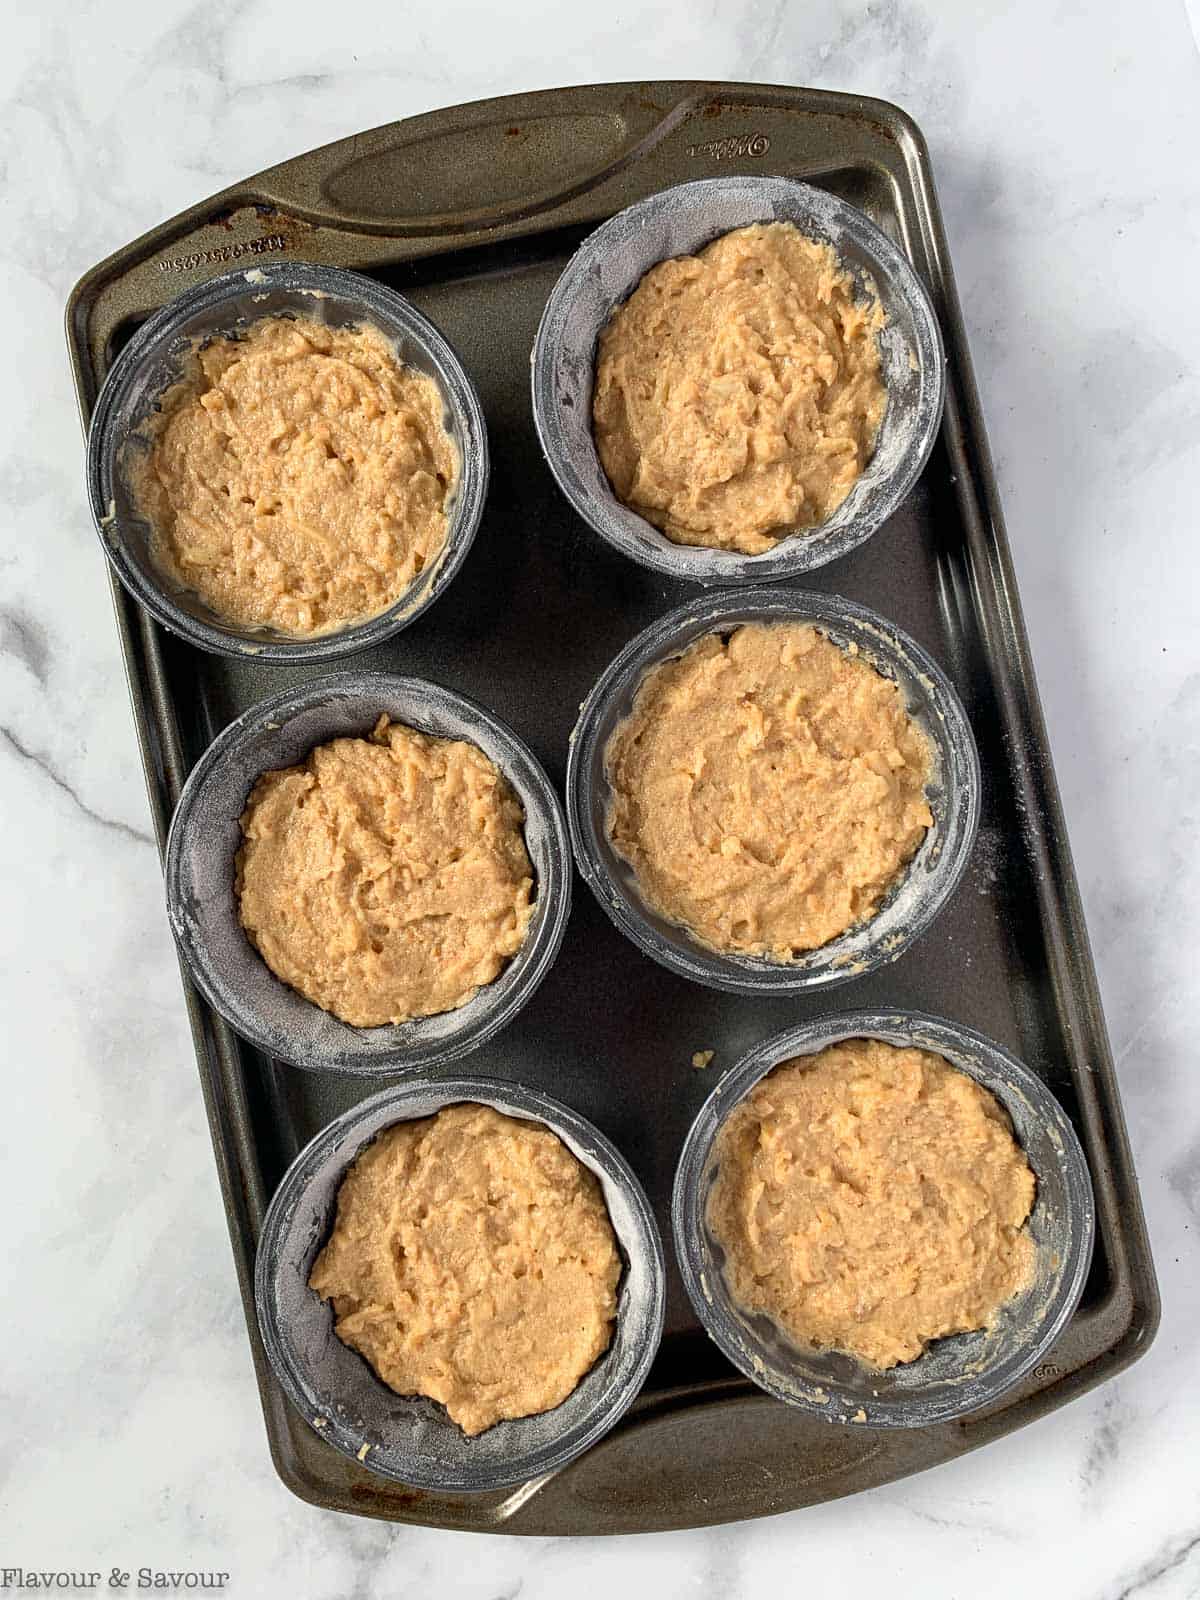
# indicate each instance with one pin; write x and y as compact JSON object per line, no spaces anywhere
{"x":472,"y":213}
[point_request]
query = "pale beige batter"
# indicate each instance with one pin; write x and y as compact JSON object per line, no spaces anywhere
{"x":767,"y":789}
{"x":738,"y":392}
{"x":299,"y":477}
{"x":870,"y":1199}
{"x":385,"y":878}
{"x":473,"y":1261}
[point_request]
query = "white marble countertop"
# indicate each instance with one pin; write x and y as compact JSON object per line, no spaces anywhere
{"x":1064,"y":142}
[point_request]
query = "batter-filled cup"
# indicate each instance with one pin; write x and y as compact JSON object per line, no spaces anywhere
{"x":412,"y":1439}
{"x":160,"y":361}
{"x":955,"y":1375}
{"x":201,"y":873}
{"x":926,"y":880}
{"x":605,"y":272}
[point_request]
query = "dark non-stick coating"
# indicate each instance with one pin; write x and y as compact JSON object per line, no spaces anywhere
{"x":956,"y":1375}
{"x":605,"y":271}
{"x":156,"y":357}
{"x":927,"y":882}
{"x":205,"y":838}
{"x":472,"y":213}
{"x":411,"y":1439}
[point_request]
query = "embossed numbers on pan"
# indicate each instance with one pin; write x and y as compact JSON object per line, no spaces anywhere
{"x":472,"y":213}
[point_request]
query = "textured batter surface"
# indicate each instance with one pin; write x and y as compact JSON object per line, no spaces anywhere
{"x":870,"y":1199}
{"x":473,"y":1261}
{"x":385,"y":878}
{"x":738,"y":391}
{"x":767,"y":789}
{"x":298,"y":478}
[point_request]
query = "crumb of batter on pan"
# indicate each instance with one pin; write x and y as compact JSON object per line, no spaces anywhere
{"x":701,"y":1059}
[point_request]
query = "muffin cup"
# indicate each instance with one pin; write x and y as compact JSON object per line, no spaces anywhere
{"x":604,"y":272}
{"x":956,"y":1375}
{"x":205,"y":837}
{"x":412,"y":1439}
{"x":925,"y":884}
{"x":155,"y":358}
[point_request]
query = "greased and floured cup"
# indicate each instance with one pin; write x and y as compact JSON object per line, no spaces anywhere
{"x":410,"y":1438}
{"x":207,"y":876}
{"x":287,"y":463}
{"x":678,"y":223}
{"x":956,"y":1374}
{"x":711,"y":773}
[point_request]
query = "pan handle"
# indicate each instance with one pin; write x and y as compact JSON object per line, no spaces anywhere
{"x":477,"y":166}
{"x":720,"y":1461}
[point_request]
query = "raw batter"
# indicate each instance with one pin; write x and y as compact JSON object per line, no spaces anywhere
{"x":473,"y":1261}
{"x":767,"y":789}
{"x":870,"y":1199}
{"x":738,"y":392}
{"x":385,"y":878}
{"x":298,"y":479}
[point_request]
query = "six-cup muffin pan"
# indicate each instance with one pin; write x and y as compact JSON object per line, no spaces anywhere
{"x":484,"y":220}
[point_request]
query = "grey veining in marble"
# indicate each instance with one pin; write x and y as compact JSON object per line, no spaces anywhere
{"x":1064,"y":140}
